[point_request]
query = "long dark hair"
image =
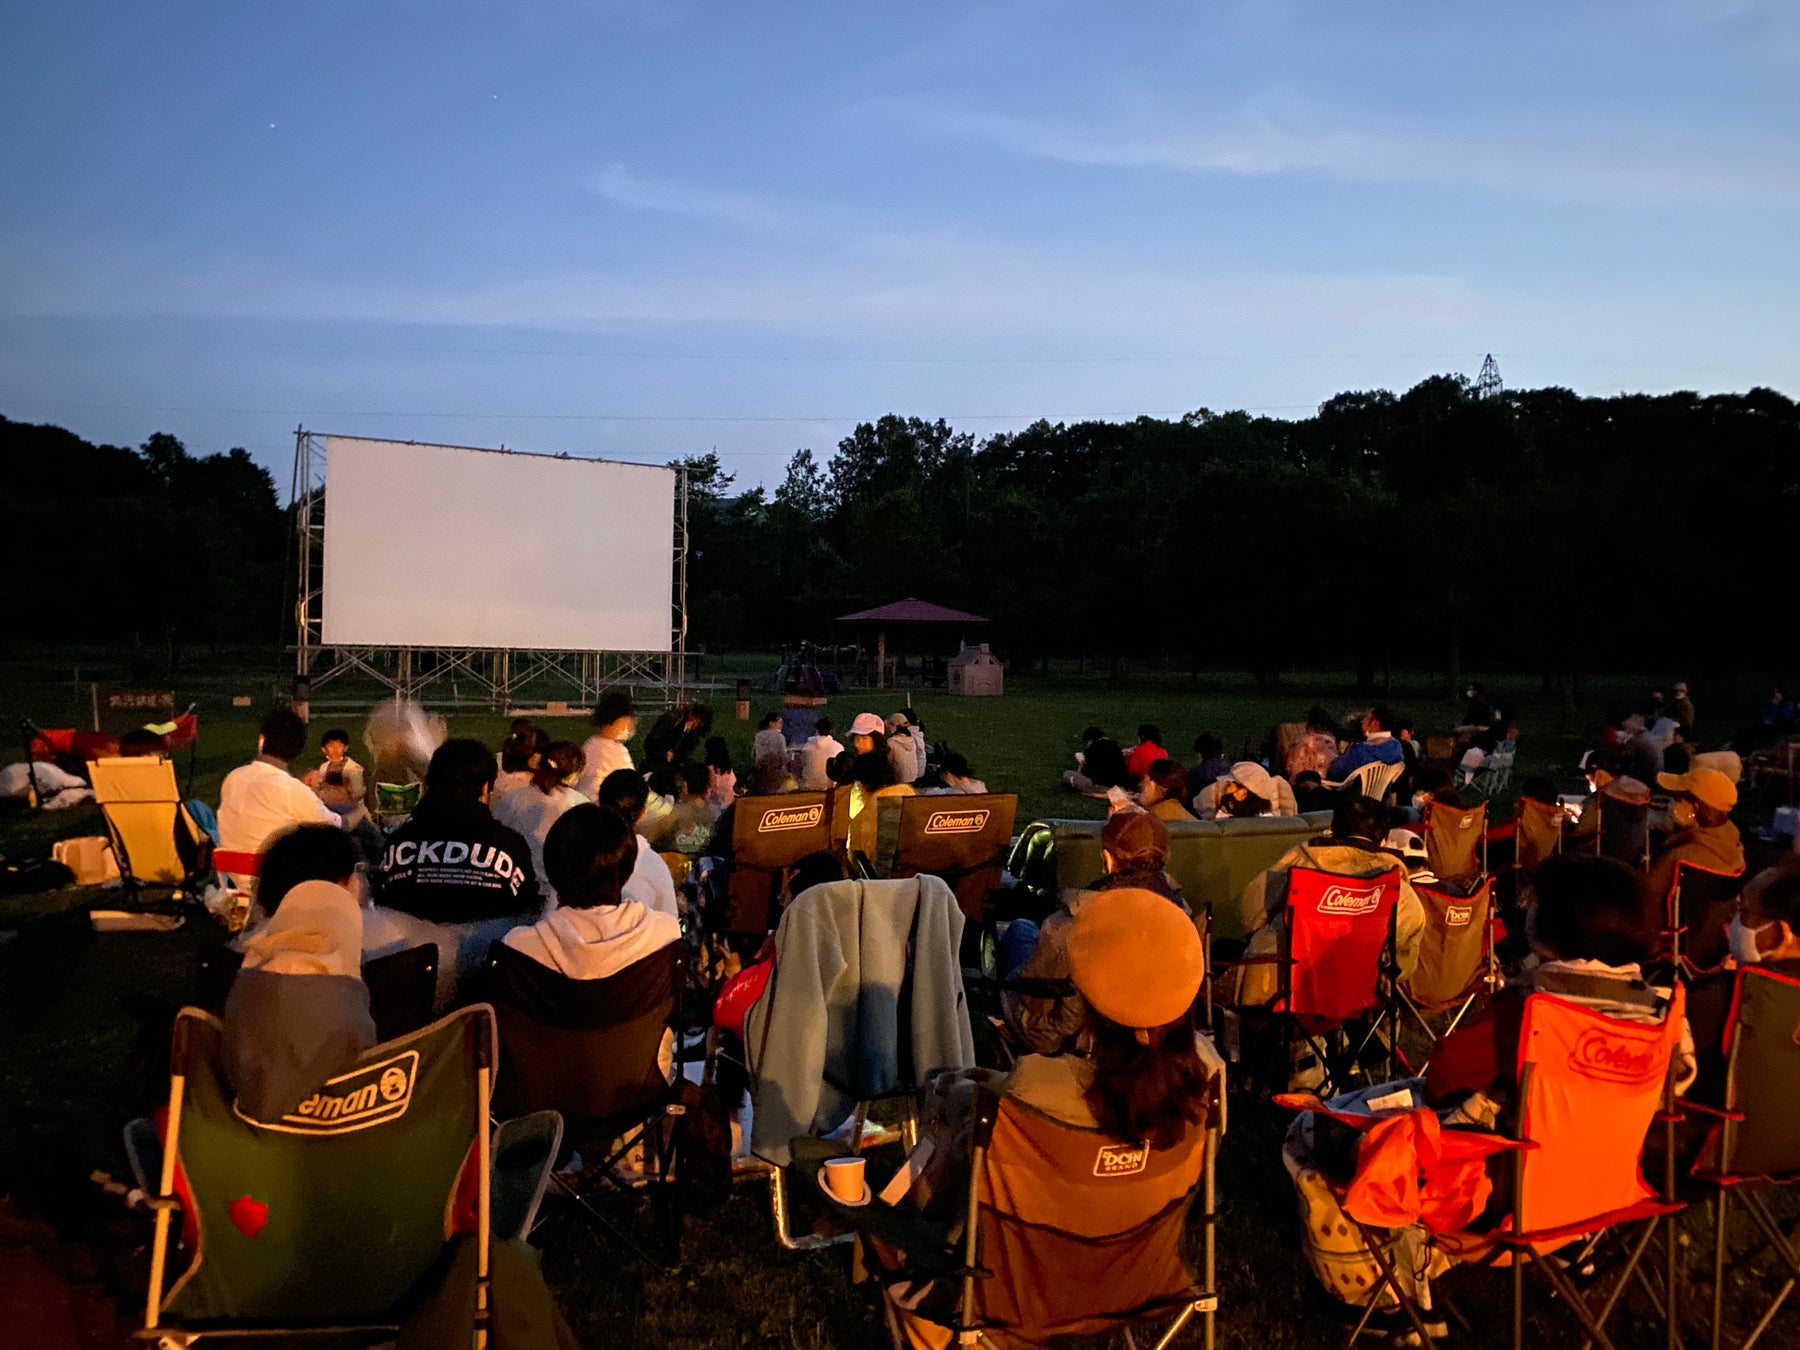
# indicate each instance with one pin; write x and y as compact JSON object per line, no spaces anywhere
{"x":559,"y":760}
{"x":1154,"y":1092}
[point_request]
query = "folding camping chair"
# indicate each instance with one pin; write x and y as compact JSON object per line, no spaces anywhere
{"x":856,"y":1014}
{"x":1590,"y":1087}
{"x":1456,"y":842}
{"x":1336,"y":965}
{"x":1494,"y":773}
{"x":1069,"y":1232}
{"x":401,"y":986}
{"x":154,"y":838}
{"x":337,"y":1217}
{"x":962,"y":840}
{"x":1755,"y":1142}
{"x":1537,"y":832}
{"x":768,"y":836}
{"x":1700,"y":904}
{"x":837,"y":807}
{"x":1623,"y":829}
{"x":1456,"y":962}
{"x":587,"y":1049}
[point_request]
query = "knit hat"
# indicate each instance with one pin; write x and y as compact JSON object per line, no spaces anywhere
{"x":868,"y":724}
{"x":1703,"y":785}
{"x":1133,"y":836}
{"x":1136,"y":958}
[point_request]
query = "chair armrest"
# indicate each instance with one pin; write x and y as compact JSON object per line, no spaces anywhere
{"x":1683,"y":1106}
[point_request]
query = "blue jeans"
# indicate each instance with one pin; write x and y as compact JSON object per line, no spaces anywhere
{"x":1016,"y":943}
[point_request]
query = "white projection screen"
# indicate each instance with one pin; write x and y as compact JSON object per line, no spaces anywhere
{"x":444,"y":546}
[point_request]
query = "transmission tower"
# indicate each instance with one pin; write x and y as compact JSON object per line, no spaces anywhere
{"x":1488,"y":386}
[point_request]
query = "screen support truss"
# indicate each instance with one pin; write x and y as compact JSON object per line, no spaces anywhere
{"x":467,"y":676}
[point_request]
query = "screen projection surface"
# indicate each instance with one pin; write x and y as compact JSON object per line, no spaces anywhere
{"x":441,"y":546}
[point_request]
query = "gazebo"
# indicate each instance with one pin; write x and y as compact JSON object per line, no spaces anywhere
{"x":910,"y":613}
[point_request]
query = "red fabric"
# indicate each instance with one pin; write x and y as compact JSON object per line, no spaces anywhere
{"x":50,"y":744}
{"x":1338,"y":928}
{"x":739,"y":992}
{"x":1480,"y":1055}
{"x":1142,"y":756}
{"x":187,"y":727}
{"x":1412,"y":1170}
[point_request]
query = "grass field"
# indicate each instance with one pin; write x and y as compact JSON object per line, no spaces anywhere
{"x":70,"y":1003}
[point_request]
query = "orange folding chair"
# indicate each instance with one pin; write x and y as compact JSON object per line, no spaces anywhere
{"x":962,"y":839}
{"x":768,"y":836}
{"x":1456,"y":842}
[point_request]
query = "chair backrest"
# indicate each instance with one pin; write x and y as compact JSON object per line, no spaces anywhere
{"x":341,"y":1210}
{"x":1081,"y":1231}
{"x":1453,"y":949}
{"x":1624,"y":833}
{"x":1453,"y":840}
{"x":155,"y":840}
{"x":402,"y":986}
{"x":1339,"y":931}
{"x":1762,"y":1056}
{"x":768,"y":836}
{"x":1374,"y":778}
{"x":963,"y":840}
{"x":584,"y":1048}
{"x":1702,"y":900}
{"x":1591,"y":1084}
{"x":838,"y":809}
{"x":1539,"y":832}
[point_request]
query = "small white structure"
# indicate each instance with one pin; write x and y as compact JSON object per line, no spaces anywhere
{"x":977,"y":672}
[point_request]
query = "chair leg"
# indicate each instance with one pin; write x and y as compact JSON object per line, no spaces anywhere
{"x":1721,"y":1207}
{"x":1572,"y":1296}
{"x":1392,"y":1280}
{"x":1632,"y":1270}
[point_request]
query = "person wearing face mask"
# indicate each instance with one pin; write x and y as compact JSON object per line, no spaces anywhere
{"x":1765,"y":932}
{"x":1702,"y":835}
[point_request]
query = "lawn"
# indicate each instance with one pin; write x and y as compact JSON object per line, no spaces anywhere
{"x":71,"y":1001}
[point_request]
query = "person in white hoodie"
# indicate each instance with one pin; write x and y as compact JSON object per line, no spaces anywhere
{"x":594,"y":931}
{"x":532,"y":810}
{"x":816,"y":755}
{"x":615,"y":723}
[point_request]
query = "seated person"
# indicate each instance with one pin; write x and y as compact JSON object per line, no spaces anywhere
{"x":1765,"y":932}
{"x":959,"y":778}
{"x":1703,"y":835}
{"x":1139,"y":1074}
{"x":607,"y":750}
{"x":1377,"y":746}
{"x":1315,"y":748}
{"x":689,"y":823}
{"x":1147,"y":751}
{"x":903,"y":751}
{"x":298,"y":1011}
{"x":1209,"y":766}
{"x":1248,"y":790}
{"x":1608,"y":784}
{"x":1311,"y":794}
{"x":1099,"y":766}
{"x":769,"y":739}
{"x":535,"y":808}
{"x":519,"y":754}
{"x":1134,"y":846}
{"x":873,"y":778}
{"x":261,"y":799}
{"x":339,"y":780}
{"x":816,"y":755}
{"x":595,"y":929}
{"x":1161,"y":788}
{"x":1353,"y":849}
{"x":721,"y":778}
{"x":650,"y":884}
{"x":1588,"y":943}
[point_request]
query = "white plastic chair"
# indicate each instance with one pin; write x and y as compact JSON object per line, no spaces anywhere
{"x":1373,"y":779}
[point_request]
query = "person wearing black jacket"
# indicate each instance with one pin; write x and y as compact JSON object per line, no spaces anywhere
{"x":452,"y":862}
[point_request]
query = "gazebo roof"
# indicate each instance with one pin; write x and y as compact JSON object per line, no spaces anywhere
{"x":913,"y":611}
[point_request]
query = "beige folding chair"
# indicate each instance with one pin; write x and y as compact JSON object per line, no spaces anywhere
{"x":155,"y":840}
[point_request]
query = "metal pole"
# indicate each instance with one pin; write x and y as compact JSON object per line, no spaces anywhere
{"x":678,"y":657}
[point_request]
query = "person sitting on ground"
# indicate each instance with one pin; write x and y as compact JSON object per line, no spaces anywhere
{"x":690,"y":824}
{"x":1703,"y":835}
{"x":1101,"y":765}
{"x":596,"y":929}
{"x":909,"y":723}
{"x":1161,"y":791}
{"x":816,"y":754}
{"x":1681,"y":708}
{"x":606,"y":751}
{"x":1377,"y":746}
{"x":1353,"y":849}
{"x":903,"y":751}
{"x":651,"y":883}
{"x":873,"y":779}
{"x":1146,"y":752}
{"x":1316,"y":747}
{"x":1209,"y":766}
{"x":1765,"y":933}
{"x":1248,"y":790}
{"x":519,"y":755}
{"x":1587,"y":934}
{"x":339,"y":780}
{"x":959,"y":778}
{"x":534,"y":810}
{"x":260,"y":799}
{"x":769,"y":739}
{"x":1311,"y":794}
{"x":298,"y":1012}
{"x":721,"y":778}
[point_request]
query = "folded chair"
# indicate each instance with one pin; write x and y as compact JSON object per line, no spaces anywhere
{"x":1069,"y":1232}
{"x":1590,"y":1087}
{"x":341,"y":1216}
{"x":588,"y":1050}
{"x":865,"y":1003}
{"x":1699,"y":908}
{"x":962,"y":840}
{"x":768,"y":836}
{"x":1456,"y":842}
{"x":154,"y":838}
{"x":1456,"y":962}
{"x":1336,"y":965}
{"x":1755,"y":1142}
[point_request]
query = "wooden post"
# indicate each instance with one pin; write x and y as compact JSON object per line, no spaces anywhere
{"x":881,"y":658}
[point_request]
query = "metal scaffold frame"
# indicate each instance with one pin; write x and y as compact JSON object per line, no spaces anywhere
{"x":495,"y":678}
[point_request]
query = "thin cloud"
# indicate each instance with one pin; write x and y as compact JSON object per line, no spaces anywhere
{"x":619,"y":186}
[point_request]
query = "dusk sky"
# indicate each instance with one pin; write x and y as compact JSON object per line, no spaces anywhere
{"x":642,"y":230}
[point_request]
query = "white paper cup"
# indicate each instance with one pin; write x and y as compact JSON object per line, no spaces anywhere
{"x":844,"y":1179}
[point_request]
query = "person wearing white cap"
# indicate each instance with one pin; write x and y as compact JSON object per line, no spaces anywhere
{"x":1248,"y":790}
{"x":868,"y":732}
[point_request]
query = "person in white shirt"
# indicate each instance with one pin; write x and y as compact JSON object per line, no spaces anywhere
{"x":770,"y":742}
{"x":959,"y":779}
{"x":261,"y":799}
{"x":816,"y":756}
{"x":615,"y":723}
{"x":651,"y":884}
{"x":901,"y":751}
{"x":519,"y":754}
{"x":533,"y":810}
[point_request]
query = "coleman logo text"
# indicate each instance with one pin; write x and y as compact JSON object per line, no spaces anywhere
{"x":1350,"y":901}
{"x":1598,"y":1055}
{"x":356,"y":1100}
{"x":957,"y":822}
{"x":790,"y":818}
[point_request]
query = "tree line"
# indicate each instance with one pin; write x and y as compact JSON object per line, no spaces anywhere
{"x":1535,"y":530}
